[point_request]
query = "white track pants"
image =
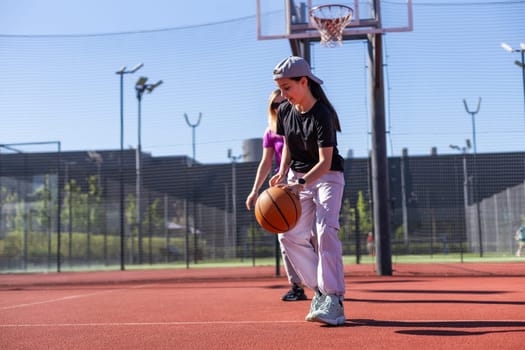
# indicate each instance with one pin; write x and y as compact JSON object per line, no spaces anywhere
{"x":321,"y":203}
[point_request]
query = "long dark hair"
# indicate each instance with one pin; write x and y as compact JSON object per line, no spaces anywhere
{"x":318,"y":92}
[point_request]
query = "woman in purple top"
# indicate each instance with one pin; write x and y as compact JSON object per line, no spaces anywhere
{"x":272,"y":148}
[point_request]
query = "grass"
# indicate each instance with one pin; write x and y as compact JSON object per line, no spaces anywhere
{"x":347,"y":260}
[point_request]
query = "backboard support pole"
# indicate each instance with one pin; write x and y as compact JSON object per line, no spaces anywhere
{"x":380,"y":188}
{"x":301,"y":47}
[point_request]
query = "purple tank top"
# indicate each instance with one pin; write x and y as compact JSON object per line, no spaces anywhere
{"x":276,"y":142}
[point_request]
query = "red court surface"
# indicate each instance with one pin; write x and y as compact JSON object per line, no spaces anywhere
{"x":439,"y":306}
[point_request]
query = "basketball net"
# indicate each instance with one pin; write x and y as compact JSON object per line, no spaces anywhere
{"x":331,"y":20}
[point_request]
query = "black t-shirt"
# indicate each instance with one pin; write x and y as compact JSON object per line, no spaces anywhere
{"x":305,"y":133}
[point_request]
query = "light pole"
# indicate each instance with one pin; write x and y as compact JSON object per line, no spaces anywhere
{"x":194,"y":208}
{"x":121,"y":72}
{"x":473,"y":114}
{"x":475,"y":182}
{"x":464,"y":151}
{"x":193,"y":126}
{"x":234,"y":160}
{"x":140,"y":87}
{"x":519,"y":64}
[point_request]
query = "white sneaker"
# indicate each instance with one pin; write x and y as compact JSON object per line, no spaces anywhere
{"x":331,"y":311}
{"x":317,"y":300}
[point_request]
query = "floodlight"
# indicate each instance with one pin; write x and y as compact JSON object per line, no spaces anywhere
{"x":522,"y":45}
{"x":507,"y":47}
{"x":141,"y":81}
{"x":519,"y":64}
{"x":136,"y":68}
{"x":152,"y":87}
{"x":121,"y":70}
{"x":95,"y":156}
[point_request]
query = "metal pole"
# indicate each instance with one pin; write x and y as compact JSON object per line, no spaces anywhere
{"x":194,"y":208}
{"x":121,"y":174}
{"x":121,"y":72}
{"x":474,"y":132}
{"x":59,"y":208}
{"x":465,"y":194}
{"x":523,"y":75}
{"x":193,"y":126}
{"x":381,"y":200}
{"x":166,"y":232}
{"x":140,"y":88}
{"x":277,"y":256}
{"x":234,"y":203}
{"x":138,"y":181}
{"x":473,"y":114}
{"x":475,"y":176}
{"x":234,"y":195}
{"x":70,"y":215}
{"x":404,"y":196}
{"x":463,"y":150}
{"x":226,"y":223}
{"x":187,"y":234}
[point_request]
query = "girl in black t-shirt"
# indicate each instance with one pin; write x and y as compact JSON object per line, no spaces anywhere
{"x":312,"y":167}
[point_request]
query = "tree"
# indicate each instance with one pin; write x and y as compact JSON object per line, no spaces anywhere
{"x":8,"y":215}
{"x":154,"y":219}
{"x":44,"y":206}
{"x":347,"y":217}
{"x":131,"y":218}
{"x":96,"y":208}
{"x":365,"y":214}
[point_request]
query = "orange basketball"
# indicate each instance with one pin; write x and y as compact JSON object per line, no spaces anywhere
{"x":277,"y":210}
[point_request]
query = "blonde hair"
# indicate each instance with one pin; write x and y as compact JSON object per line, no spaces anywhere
{"x":272,"y":113}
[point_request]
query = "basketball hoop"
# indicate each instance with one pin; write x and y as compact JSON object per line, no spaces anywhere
{"x":331,"y":20}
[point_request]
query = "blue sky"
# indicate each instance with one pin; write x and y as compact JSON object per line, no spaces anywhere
{"x":64,"y":88}
{"x":99,"y":16}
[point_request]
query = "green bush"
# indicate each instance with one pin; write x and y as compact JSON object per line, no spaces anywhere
{"x":37,"y":245}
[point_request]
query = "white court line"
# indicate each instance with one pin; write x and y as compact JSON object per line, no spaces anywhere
{"x":424,"y":323}
{"x":69,"y":297}
{"x":141,"y":324}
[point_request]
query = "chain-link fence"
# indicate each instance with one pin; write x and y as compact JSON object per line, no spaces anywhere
{"x":195,"y":214}
{"x":67,"y":209}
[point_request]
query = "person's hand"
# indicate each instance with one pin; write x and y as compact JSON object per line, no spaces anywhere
{"x":277,"y":179}
{"x":252,"y":198}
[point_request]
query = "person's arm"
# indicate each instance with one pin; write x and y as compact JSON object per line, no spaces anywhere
{"x":280,"y":177}
{"x":265,"y":165}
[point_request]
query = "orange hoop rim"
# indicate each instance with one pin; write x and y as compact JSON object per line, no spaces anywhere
{"x":317,"y":8}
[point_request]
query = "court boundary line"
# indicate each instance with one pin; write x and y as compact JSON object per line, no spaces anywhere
{"x":134,"y":324}
{"x":401,"y":324}
{"x":71,"y":297}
